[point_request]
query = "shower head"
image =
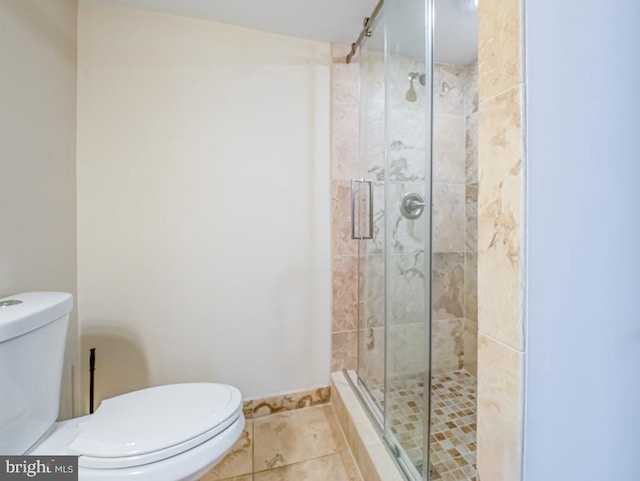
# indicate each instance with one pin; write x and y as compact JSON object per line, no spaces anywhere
{"x":420,"y":77}
{"x":411,"y":95}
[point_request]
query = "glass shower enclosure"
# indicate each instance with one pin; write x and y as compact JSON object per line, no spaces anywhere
{"x":414,"y":213}
{"x":391,"y":216}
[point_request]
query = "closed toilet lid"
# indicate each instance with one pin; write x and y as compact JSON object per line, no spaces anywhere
{"x":151,"y":424}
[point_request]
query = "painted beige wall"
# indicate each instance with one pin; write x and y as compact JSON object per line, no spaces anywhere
{"x":203,"y":221}
{"x":37,"y":158}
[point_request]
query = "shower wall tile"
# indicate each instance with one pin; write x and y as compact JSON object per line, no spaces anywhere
{"x":342,"y":243}
{"x":448,"y":345}
{"x":406,"y":163}
{"x":449,"y":167}
{"x":407,"y":349}
{"x":471,"y":210}
{"x":471,"y":286}
{"x":447,"y":286}
{"x":344,"y":347}
{"x":500,"y":240}
{"x":471,"y":147}
{"x":449,"y":218}
{"x":345,"y":293}
{"x":375,"y":245}
{"x":344,"y":141}
{"x":500,"y":208}
{"x":405,"y":285}
{"x":340,"y":201}
{"x":372,"y":350}
{"x":471,"y":88}
{"x":449,"y":89}
{"x":499,"y":46}
{"x":470,"y":332}
{"x":448,"y":133}
{"x":346,"y":85}
{"x":372,"y":290}
{"x":345,"y":99}
{"x":470,"y":342}
{"x":373,"y":71}
{"x":500,"y":410}
{"x":372,"y":145}
{"x":407,"y":127}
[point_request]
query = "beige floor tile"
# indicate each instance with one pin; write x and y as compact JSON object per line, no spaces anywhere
{"x":238,"y":461}
{"x":335,"y":467}
{"x":246,"y":477}
{"x":292,"y":437}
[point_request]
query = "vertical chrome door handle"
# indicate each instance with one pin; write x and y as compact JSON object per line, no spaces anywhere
{"x":354,"y":194}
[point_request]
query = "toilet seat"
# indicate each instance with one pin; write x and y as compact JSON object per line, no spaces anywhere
{"x":154,"y":424}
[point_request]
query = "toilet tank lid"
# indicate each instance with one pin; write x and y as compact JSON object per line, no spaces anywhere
{"x":28,"y":311}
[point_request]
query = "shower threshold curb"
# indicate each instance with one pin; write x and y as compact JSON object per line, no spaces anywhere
{"x":371,"y":454}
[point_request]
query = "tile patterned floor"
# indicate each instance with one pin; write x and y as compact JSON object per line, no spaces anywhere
{"x":301,"y":445}
{"x":453,"y":422}
{"x":453,"y":426}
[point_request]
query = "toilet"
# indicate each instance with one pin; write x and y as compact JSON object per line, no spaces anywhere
{"x":175,"y":432}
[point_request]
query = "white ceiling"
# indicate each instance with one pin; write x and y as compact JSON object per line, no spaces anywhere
{"x":338,"y":21}
{"x":321,"y":20}
{"x":456,"y":31}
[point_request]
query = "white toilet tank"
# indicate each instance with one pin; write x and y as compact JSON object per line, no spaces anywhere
{"x":33,"y":330}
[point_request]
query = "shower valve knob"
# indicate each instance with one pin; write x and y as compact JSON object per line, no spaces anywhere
{"x":412,"y":205}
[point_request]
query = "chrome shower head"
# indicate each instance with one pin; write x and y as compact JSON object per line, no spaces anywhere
{"x":411,"y":94}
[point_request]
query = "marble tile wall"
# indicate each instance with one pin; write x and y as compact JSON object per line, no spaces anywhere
{"x":491,"y":192}
{"x":470,"y":334}
{"x":455,"y":216}
{"x":454,"y":241}
{"x":255,"y":408}
{"x":345,"y":100}
{"x":500,"y":254}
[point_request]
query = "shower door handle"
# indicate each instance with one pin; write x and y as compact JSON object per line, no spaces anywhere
{"x":355,"y":183}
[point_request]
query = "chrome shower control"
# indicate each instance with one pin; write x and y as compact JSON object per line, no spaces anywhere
{"x":412,"y":205}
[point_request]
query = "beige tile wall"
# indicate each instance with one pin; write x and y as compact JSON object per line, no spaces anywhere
{"x":500,"y":241}
{"x":455,"y":231}
{"x":345,"y":98}
{"x":454,"y":242}
{"x":499,"y":255}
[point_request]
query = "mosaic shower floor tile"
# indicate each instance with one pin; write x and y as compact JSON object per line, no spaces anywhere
{"x":453,"y":422}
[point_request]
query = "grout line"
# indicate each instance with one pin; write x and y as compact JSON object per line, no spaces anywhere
{"x":483,"y":101}
{"x":502,"y":343}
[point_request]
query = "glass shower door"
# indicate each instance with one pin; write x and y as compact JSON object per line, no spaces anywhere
{"x":391,"y":203}
{"x":408,"y":234}
{"x":370,"y":195}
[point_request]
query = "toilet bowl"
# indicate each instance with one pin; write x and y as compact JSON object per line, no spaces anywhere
{"x":166,"y":433}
